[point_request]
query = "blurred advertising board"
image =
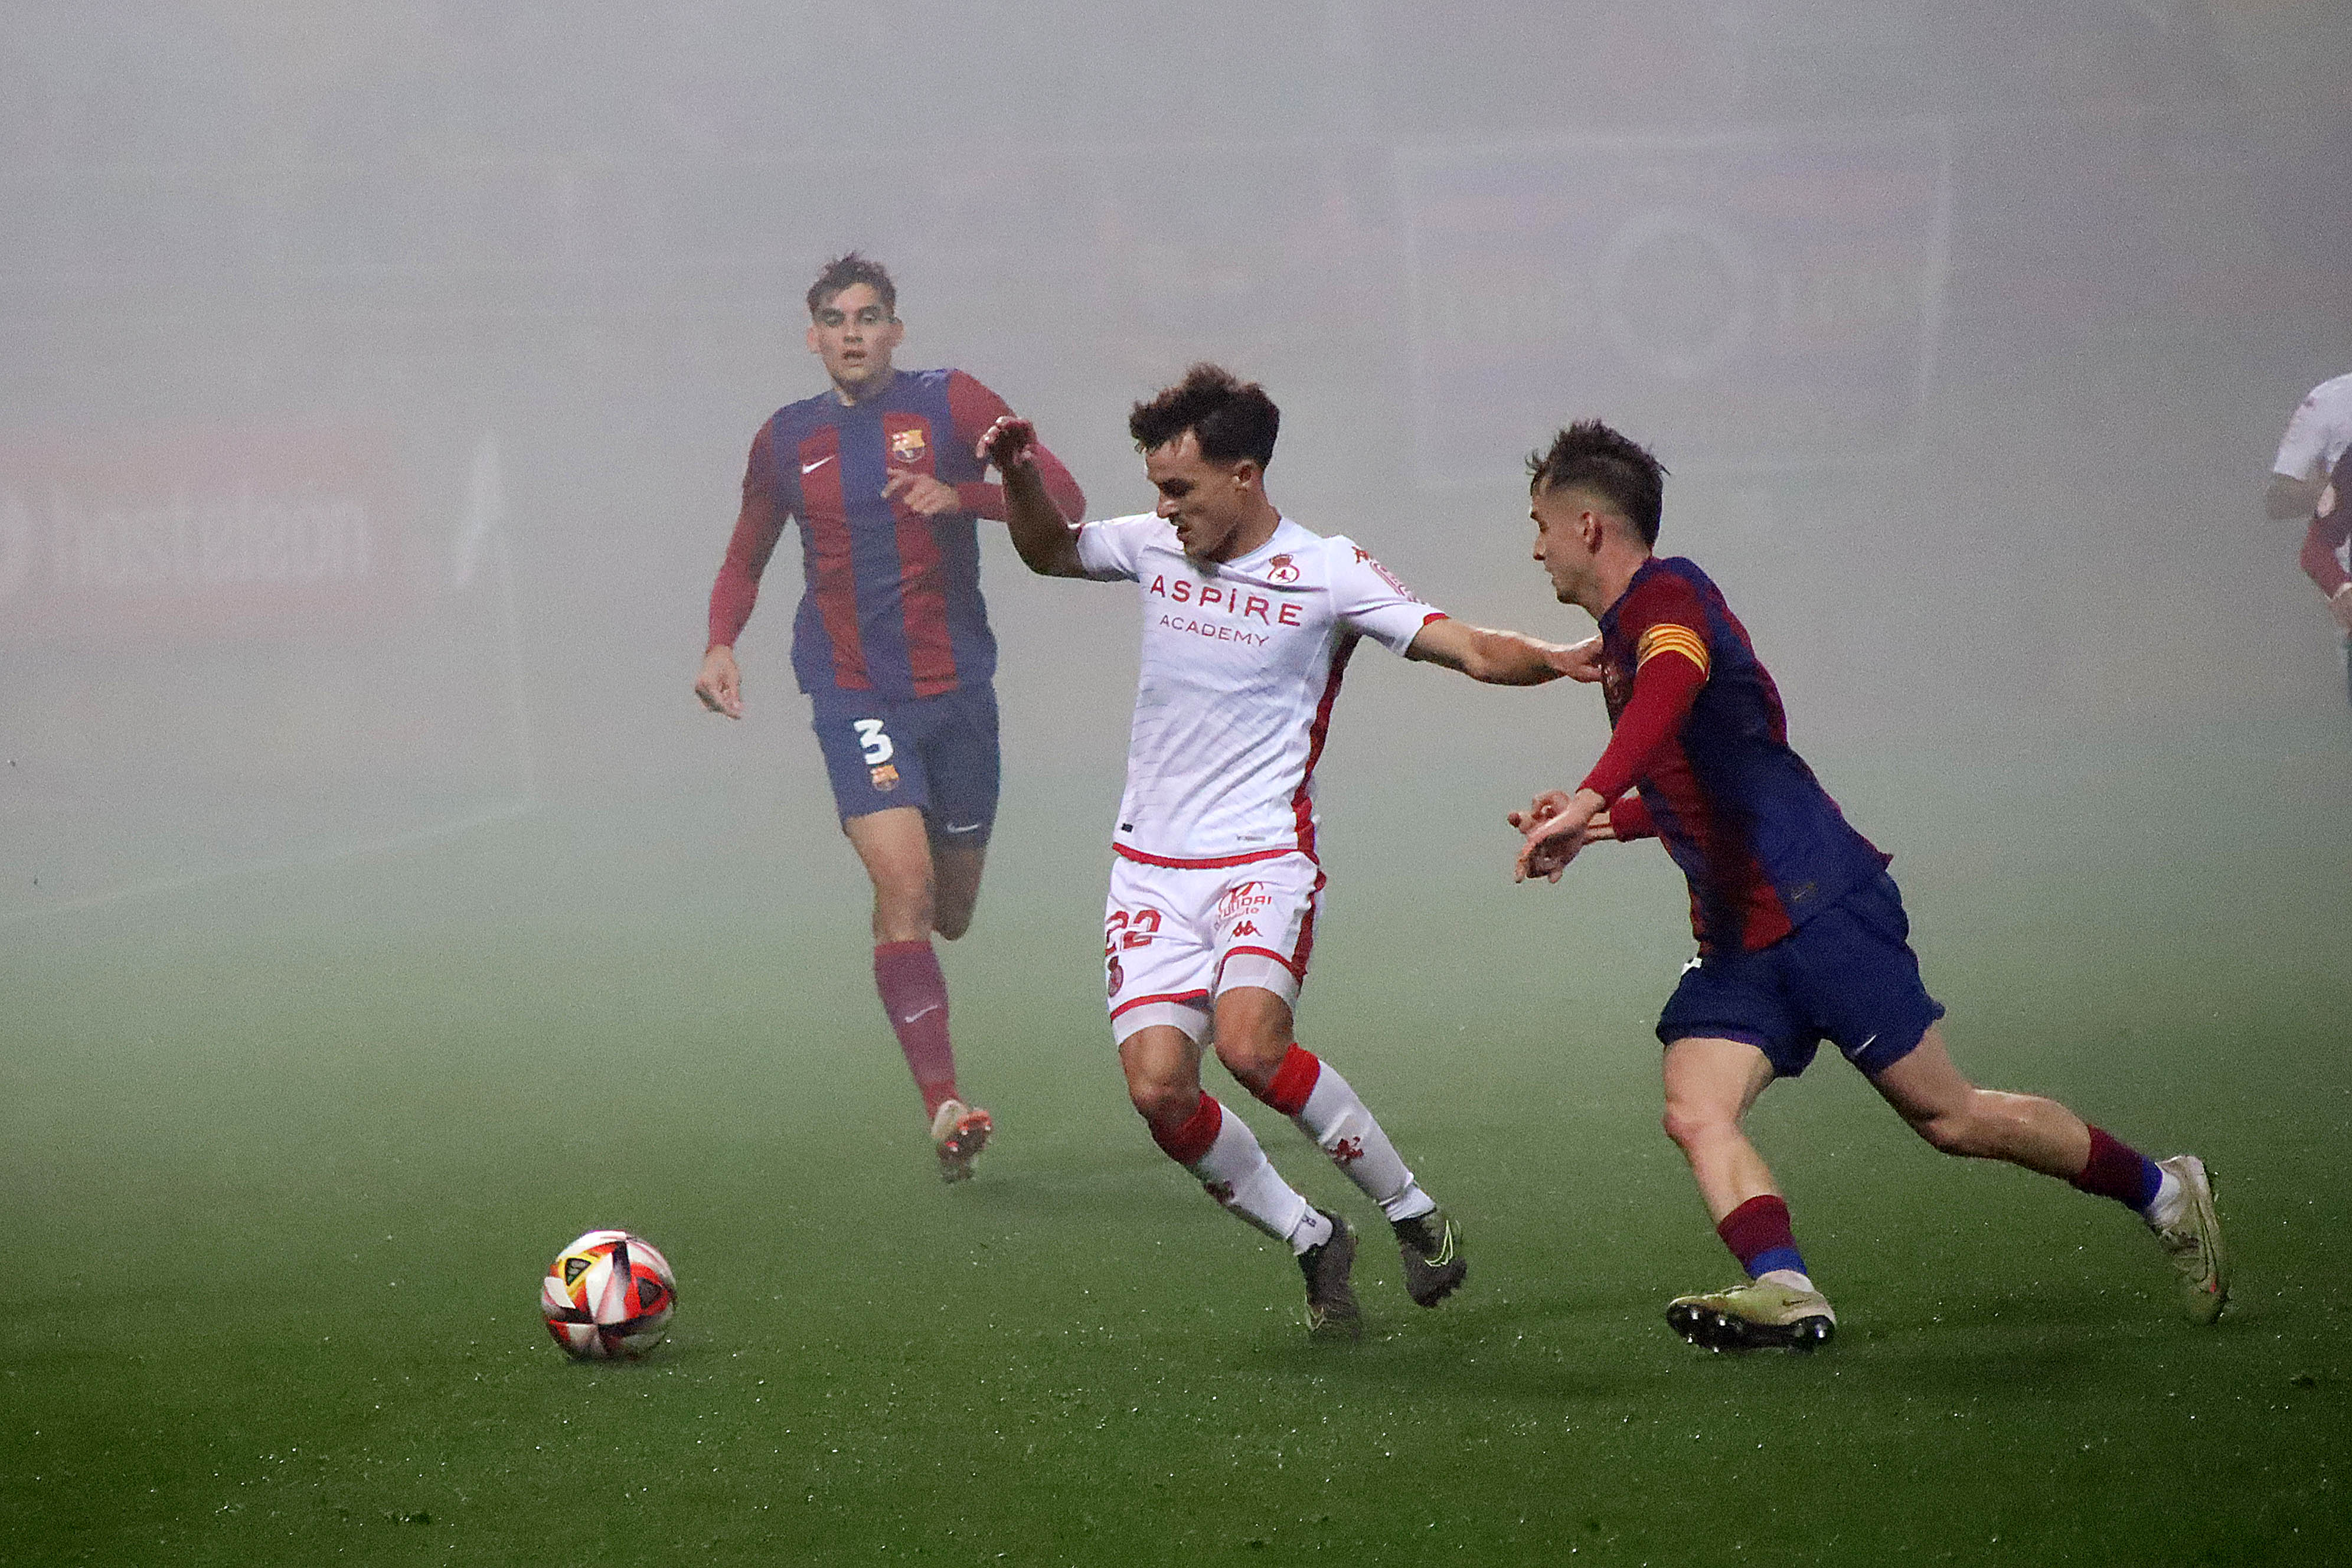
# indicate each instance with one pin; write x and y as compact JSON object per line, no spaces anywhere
{"x":1767,"y":299}
{"x":229,"y":647}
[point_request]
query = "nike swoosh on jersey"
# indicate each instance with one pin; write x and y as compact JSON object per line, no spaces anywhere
{"x":821,"y":462}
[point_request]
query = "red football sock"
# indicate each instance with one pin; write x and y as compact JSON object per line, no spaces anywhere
{"x":915,"y":997}
{"x":1758,"y":1235}
{"x":2116,"y":1170}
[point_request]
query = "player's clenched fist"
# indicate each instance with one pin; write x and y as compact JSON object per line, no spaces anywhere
{"x":721,"y":684}
{"x":1007,"y":441}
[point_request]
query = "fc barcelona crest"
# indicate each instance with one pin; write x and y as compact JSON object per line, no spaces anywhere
{"x":886,"y":777}
{"x":906,"y":447}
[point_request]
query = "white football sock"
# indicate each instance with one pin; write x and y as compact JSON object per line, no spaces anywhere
{"x":1788,"y":1277}
{"x":2171,"y":1198}
{"x":1239,"y":1176}
{"x":1335,"y":1116}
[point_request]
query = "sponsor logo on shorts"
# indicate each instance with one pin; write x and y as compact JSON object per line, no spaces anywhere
{"x":1244,"y":898}
{"x":886,"y":777}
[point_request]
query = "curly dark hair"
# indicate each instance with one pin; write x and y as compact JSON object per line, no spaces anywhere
{"x":1231,"y":418}
{"x":1591,"y":456}
{"x":845,"y":271}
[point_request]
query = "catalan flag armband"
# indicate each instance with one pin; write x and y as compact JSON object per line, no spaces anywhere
{"x":1672,"y":637}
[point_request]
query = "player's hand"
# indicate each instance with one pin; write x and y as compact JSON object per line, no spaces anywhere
{"x":1553,"y":839}
{"x":721,"y":684}
{"x":1580,"y":661}
{"x":922,"y":494}
{"x":1543,"y":808}
{"x":1006,"y":442}
{"x":2339,"y":605}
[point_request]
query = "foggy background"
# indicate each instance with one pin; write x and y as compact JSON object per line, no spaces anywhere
{"x":379,"y":380}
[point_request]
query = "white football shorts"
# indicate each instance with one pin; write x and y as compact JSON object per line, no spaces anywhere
{"x":1177,"y":937}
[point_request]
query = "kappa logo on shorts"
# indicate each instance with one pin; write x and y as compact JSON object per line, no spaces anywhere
{"x":886,"y":777}
{"x":1245,"y":928}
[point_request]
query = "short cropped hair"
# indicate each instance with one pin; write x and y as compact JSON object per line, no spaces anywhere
{"x":1231,"y":418}
{"x":1591,"y":456}
{"x":847,"y":272}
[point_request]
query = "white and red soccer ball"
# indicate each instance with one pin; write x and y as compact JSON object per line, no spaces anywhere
{"x":608,"y":1296}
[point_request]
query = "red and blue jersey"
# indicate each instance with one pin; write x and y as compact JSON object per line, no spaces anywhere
{"x":1699,"y":730}
{"x":891,"y":608}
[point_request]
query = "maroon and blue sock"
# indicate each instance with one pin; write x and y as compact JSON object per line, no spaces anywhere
{"x":2116,"y":1170}
{"x":1759,"y":1235}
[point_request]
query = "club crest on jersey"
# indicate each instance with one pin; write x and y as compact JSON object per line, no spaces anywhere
{"x":886,"y":777}
{"x":1282,"y":569}
{"x":906,"y":447}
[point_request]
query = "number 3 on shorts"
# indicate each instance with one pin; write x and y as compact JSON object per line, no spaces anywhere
{"x":878,"y":748}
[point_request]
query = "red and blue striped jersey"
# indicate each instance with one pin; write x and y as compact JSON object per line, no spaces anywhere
{"x":890,"y":608}
{"x":1697,"y":728}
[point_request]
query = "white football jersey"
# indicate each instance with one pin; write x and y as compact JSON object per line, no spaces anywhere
{"x":2318,"y":432}
{"x":1242,"y":662}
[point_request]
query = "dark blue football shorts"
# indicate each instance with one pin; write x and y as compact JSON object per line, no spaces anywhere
{"x":1847,"y":976}
{"x":937,"y":754}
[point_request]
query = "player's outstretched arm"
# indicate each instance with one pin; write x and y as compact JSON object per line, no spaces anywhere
{"x":1044,"y":537}
{"x":1504,"y":658}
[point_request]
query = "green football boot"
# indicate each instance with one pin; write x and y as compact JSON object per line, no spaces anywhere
{"x":1331,"y":1309}
{"x":1431,"y":1245}
{"x":1756,"y":1314}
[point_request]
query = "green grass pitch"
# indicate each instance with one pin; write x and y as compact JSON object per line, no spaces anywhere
{"x":283,"y":1158}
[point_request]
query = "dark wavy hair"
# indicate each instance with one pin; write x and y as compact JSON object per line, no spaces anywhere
{"x":845,"y":272}
{"x":1590,"y":456}
{"x":1230,"y":417}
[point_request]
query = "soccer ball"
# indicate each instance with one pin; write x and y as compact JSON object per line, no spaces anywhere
{"x":608,"y":1296}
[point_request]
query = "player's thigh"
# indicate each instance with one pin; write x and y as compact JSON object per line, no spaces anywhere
{"x":1262,"y":924}
{"x":1157,"y":963}
{"x":895,"y":848}
{"x":1855,"y":978}
{"x":1925,"y":1084}
{"x":962,"y":764}
{"x":1738,"y":997}
{"x":870,"y":760}
{"x":1713,"y":1080}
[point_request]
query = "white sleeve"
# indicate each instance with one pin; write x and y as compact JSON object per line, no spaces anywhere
{"x":1109,"y":549}
{"x":2315,"y":430}
{"x":1367,"y":598}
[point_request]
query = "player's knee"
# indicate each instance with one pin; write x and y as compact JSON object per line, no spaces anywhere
{"x":1163,"y":1104}
{"x":1689,"y":1125}
{"x":1253,"y":1058}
